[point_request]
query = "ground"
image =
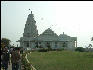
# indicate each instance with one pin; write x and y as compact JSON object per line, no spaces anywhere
{"x":9,"y":67}
{"x":61,"y":60}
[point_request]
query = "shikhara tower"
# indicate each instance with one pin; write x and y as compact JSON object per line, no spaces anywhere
{"x":30,"y":29}
{"x":30,"y":33}
{"x":31,"y":39}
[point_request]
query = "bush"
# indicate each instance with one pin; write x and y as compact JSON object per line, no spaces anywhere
{"x":57,"y":49}
{"x":27,"y":66}
{"x":43,"y":50}
{"x":80,"y":49}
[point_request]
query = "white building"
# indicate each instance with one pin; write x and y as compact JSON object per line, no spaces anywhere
{"x":48,"y":38}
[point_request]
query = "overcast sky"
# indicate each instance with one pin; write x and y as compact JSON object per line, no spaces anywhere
{"x":74,"y":18}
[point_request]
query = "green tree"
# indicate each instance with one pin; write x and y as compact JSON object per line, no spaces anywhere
{"x":5,"y":41}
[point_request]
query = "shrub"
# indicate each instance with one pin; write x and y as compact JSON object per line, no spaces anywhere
{"x":80,"y":49}
{"x":27,"y":66}
{"x":43,"y":50}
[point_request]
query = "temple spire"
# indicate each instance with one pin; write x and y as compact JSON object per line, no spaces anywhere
{"x":63,"y":32}
{"x":31,"y":12}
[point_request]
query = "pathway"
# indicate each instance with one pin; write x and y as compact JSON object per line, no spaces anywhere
{"x":9,"y":67}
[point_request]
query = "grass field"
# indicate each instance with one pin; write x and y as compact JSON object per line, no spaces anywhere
{"x":61,"y":60}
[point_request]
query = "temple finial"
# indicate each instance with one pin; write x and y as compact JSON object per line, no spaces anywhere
{"x":63,"y":32}
{"x":31,"y":12}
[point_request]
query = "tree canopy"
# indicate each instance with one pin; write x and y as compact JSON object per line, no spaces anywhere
{"x":5,"y":41}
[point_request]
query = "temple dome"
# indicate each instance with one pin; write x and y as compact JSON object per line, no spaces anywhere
{"x":48,"y":35}
{"x":64,"y":37}
{"x":49,"y":32}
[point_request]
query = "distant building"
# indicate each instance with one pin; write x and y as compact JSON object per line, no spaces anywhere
{"x":31,"y":39}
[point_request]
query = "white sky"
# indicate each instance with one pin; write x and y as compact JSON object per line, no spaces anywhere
{"x":74,"y":18}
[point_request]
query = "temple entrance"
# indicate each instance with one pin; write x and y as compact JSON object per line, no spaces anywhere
{"x":48,"y":45}
{"x":36,"y":44}
{"x":64,"y":44}
{"x":55,"y":44}
{"x":27,"y":44}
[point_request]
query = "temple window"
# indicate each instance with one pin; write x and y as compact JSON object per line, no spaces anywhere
{"x":39,"y":42}
{"x":55,"y":44}
{"x":27,"y":44}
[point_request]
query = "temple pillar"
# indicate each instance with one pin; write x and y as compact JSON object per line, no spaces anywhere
{"x":76,"y":43}
{"x":29,"y":44}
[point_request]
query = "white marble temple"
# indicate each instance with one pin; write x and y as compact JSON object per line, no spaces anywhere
{"x":31,"y":39}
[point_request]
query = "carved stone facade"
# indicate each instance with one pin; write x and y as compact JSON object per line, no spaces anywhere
{"x":48,"y":38}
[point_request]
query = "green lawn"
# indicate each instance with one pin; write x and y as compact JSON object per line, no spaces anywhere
{"x":61,"y":60}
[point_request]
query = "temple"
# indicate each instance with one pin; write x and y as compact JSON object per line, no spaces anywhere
{"x":48,"y":39}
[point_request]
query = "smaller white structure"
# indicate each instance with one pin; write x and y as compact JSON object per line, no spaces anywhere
{"x":48,"y":39}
